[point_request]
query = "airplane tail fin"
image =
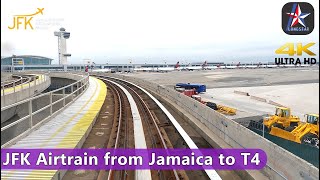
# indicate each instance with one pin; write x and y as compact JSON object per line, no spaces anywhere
{"x":177,"y":65}
{"x":204,"y":64}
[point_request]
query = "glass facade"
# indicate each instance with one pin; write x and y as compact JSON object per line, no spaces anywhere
{"x":28,"y":60}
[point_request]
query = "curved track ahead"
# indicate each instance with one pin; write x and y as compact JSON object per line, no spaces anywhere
{"x":154,"y":137}
{"x":153,"y":123}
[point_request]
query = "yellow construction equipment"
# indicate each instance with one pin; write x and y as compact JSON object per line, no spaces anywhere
{"x":226,"y":110}
{"x":281,"y":119}
{"x":306,"y":133}
{"x":220,"y":108}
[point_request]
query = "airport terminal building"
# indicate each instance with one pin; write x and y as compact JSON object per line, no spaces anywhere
{"x":26,"y":60}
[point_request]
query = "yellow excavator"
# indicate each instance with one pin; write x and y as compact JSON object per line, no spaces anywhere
{"x":281,"y":119}
{"x":306,"y":132}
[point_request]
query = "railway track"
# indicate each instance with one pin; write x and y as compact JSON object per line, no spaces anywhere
{"x":157,"y":129}
{"x":154,"y":136}
{"x":18,"y":80}
{"x":122,"y":134}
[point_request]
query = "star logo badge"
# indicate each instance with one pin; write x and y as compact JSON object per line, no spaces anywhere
{"x":298,"y":17}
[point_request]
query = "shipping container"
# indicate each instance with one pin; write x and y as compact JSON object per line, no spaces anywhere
{"x":189,"y":92}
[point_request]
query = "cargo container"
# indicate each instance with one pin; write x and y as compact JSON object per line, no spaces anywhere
{"x":189,"y":92}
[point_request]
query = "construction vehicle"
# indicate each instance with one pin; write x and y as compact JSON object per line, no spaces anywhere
{"x":219,"y":108}
{"x":281,"y":119}
{"x":305,"y":133}
{"x":195,"y":95}
{"x":222,"y":109}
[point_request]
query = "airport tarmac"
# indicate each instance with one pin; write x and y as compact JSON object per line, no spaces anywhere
{"x":301,"y":98}
{"x":297,"y":88}
{"x":222,"y":78}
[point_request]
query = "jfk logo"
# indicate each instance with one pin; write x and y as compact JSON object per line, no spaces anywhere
{"x":24,"y":20}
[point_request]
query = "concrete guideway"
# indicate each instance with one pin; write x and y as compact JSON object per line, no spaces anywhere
{"x":67,"y":130}
{"x":22,"y":91}
{"x":39,"y":79}
{"x":139,"y":138}
{"x":212,"y":174}
{"x":34,"y":111}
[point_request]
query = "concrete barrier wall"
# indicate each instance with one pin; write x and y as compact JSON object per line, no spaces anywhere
{"x":70,"y":75}
{"x":241,"y":93}
{"x":22,"y":94}
{"x":14,"y":97}
{"x":281,"y":163}
{"x":44,"y":116}
{"x":275,"y":103}
{"x":258,"y":98}
{"x":35,"y":89}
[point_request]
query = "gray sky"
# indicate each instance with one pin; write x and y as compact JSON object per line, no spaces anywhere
{"x":148,"y":31}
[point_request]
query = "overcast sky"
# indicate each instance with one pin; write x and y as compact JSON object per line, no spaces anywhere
{"x":148,"y":31}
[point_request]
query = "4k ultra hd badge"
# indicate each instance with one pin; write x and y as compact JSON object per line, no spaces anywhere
{"x":297,"y":18}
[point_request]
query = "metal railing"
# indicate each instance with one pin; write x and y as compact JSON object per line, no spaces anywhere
{"x":76,"y":89}
{"x":22,"y":83}
{"x":16,"y":80}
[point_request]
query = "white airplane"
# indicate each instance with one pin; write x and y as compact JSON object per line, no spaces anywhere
{"x":260,"y":65}
{"x":142,"y":69}
{"x":101,"y":70}
{"x":191,"y":68}
{"x":159,"y":69}
{"x":305,"y":65}
{"x":177,"y":67}
{"x":205,"y":66}
{"x":231,"y":66}
{"x":252,"y":66}
{"x":272,"y":66}
{"x":165,"y":69}
{"x":290,"y":65}
{"x":215,"y":67}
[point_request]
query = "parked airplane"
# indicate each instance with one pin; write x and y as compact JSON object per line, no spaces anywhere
{"x":101,"y":70}
{"x":177,"y":65}
{"x":205,"y":66}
